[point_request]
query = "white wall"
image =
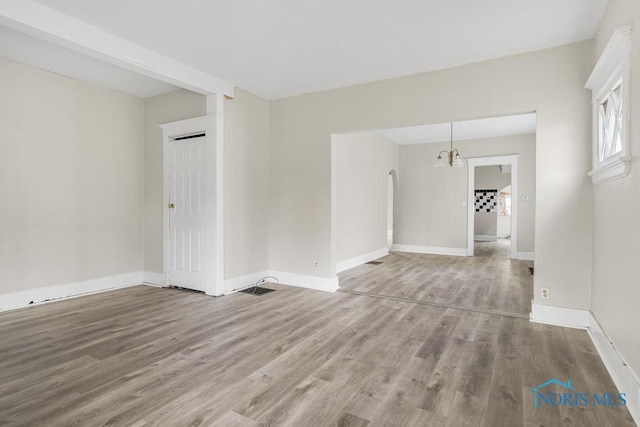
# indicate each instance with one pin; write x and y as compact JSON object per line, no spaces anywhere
{"x":432,"y":213}
{"x":549,"y":82}
{"x":493,"y":177}
{"x":363,"y":163}
{"x":616,"y":228}
{"x":71,"y":168}
{"x":503,"y":227}
{"x":166,"y":108}
{"x":486,"y":225}
{"x":246,"y":182}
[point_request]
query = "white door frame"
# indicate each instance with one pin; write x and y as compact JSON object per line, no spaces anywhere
{"x":394,"y":201}
{"x":493,"y":161}
{"x":214,"y":230}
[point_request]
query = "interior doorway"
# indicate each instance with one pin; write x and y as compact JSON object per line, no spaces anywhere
{"x":503,"y":225}
{"x":478,"y":201}
{"x":492,"y":205}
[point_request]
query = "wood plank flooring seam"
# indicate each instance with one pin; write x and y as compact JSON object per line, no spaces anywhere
{"x":435,"y":304}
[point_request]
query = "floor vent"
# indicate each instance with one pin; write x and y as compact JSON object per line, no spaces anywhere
{"x":374,"y":262}
{"x":257,"y":290}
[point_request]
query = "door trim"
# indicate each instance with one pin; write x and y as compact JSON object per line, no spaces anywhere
{"x":214,"y":229}
{"x":472,"y":163}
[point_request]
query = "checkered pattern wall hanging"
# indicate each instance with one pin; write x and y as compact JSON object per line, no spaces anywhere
{"x":486,"y":201}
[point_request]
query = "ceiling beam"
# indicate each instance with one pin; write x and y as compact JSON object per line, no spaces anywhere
{"x":47,"y":24}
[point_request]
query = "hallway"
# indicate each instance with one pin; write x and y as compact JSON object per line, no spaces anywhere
{"x":489,"y":282}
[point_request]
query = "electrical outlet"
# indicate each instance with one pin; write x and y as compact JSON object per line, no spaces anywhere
{"x":544,"y":293}
{"x":316,"y":264}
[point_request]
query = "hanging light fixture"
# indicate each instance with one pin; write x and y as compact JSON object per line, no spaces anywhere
{"x":454,"y":159}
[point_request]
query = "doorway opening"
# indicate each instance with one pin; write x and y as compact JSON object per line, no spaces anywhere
{"x":484,"y":203}
{"x":428,"y":223}
{"x":503,"y":225}
{"x":492,"y":206}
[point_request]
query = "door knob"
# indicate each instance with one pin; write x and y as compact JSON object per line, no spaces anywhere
{"x":171,"y":206}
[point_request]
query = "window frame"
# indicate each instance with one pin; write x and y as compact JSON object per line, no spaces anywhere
{"x":613,"y":68}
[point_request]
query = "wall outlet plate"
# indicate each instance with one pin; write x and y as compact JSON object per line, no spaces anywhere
{"x":544,"y":293}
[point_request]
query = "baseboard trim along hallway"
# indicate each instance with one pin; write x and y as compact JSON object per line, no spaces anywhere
{"x":624,"y":378}
{"x":559,"y":316}
{"x":361,"y":259}
{"x":68,"y":290}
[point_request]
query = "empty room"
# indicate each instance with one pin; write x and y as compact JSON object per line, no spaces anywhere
{"x":319,"y":213}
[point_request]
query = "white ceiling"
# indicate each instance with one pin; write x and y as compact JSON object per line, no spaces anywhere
{"x":29,"y":50}
{"x":279,"y":48}
{"x":492,"y":127}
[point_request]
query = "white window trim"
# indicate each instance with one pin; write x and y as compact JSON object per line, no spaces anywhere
{"x":614,"y":64}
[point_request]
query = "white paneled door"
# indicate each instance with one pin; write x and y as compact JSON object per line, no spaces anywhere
{"x":187,"y":213}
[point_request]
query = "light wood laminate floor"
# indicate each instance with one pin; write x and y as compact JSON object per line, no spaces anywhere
{"x":295,"y":357}
{"x":488,"y":281}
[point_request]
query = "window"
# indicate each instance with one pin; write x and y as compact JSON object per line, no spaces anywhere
{"x":609,"y":83}
{"x":610,"y":123}
{"x":504,"y":200}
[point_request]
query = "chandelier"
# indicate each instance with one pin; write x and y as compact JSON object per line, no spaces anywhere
{"x":453,"y":156}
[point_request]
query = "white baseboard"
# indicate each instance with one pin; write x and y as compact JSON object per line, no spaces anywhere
{"x":623,"y":377}
{"x":304,"y":281}
{"x":361,"y":259}
{"x":291,"y":279}
{"x":153,"y":278}
{"x":526,"y":256}
{"x":241,"y":282}
{"x":49,"y":293}
{"x":485,"y":238}
{"x":435,"y":250}
{"x":28,"y":297}
{"x":559,"y":316}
